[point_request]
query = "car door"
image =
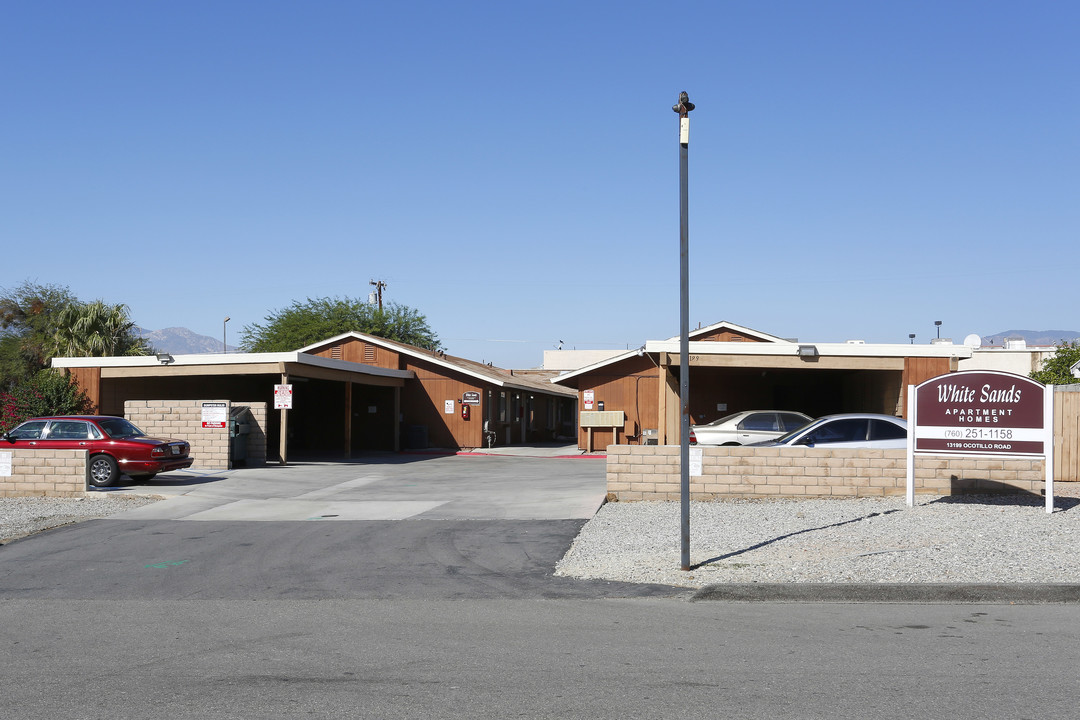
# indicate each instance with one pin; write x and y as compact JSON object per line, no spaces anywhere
{"x":27,"y":435}
{"x":66,"y":435}
{"x":759,"y":426}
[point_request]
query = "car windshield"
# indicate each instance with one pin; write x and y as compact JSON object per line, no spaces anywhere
{"x":120,"y":428}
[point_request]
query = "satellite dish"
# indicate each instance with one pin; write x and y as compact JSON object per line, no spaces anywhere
{"x":973,"y":341}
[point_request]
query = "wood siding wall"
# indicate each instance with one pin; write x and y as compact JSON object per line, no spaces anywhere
{"x":919,"y":370}
{"x":89,"y":381}
{"x":724,"y":336}
{"x":358,"y":351}
{"x":1067,"y":433}
{"x":632,"y":386}
{"x":423,"y":403}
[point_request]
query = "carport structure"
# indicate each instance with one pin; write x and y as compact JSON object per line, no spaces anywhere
{"x":340,"y":408}
{"x":734,"y":368}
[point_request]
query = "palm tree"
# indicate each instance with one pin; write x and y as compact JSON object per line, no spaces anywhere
{"x":95,"y":329}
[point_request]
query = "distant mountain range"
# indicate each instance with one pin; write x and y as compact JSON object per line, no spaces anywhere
{"x":1032,"y":337}
{"x":181,"y":341}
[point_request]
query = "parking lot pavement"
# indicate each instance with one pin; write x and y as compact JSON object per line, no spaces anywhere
{"x":385,"y":487}
{"x":430,"y":527}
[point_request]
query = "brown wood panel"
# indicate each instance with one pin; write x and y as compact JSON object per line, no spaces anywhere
{"x":1067,"y":433}
{"x":632,"y":387}
{"x":725,"y":336}
{"x":918,"y":370}
{"x":89,"y":381}
{"x":360,"y":351}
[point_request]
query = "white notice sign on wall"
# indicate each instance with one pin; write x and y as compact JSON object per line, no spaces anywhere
{"x":695,"y":462}
{"x":5,"y":463}
{"x":448,"y":407}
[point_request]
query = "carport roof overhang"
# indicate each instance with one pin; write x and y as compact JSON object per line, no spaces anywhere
{"x":292,"y":364}
{"x":825,"y":356}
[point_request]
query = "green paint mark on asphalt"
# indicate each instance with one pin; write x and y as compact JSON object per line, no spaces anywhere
{"x":163,"y":565}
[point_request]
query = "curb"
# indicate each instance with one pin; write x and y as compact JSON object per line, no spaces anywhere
{"x":990,"y":593}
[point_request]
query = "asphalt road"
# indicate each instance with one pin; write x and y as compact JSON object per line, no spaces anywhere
{"x":211,"y":605}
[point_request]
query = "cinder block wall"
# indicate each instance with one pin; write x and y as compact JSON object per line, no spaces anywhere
{"x":651,"y":472}
{"x":44,"y":473}
{"x":182,"y":419}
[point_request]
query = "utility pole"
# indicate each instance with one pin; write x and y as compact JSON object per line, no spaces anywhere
{"x":683,"y":107}
{"x":379,"y":285}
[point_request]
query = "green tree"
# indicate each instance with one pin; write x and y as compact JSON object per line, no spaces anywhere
{"x":304,"y":323}
{"x":1056,"y":369}
{"x":27,"y":323}
{"x":95,"y":329}
{"x":48,"y":392}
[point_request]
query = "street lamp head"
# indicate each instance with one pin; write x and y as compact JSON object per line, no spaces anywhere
{"x":684,"y":106}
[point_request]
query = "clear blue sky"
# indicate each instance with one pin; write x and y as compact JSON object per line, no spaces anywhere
{"x":510,"y":169}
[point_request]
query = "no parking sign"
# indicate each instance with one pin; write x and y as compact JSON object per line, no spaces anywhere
{"x":283,"y":397}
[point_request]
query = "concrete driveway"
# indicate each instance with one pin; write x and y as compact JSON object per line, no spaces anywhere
{"x":536,"y":486}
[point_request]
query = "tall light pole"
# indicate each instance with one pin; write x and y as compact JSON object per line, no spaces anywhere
{"x":224,"y":345}
{"x":683,"y":108}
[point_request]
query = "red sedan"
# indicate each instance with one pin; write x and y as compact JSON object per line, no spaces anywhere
{"x":115,"y":445}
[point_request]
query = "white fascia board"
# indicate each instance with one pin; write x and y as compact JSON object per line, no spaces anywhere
{"x":1075,"y":369}
{"x":228,"y":359}
{"x":737,"y":328}
{"x":580,"y":371}
{"x":824,"y":349}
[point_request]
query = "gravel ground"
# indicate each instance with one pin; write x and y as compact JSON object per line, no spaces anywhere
{"x":20,"y":517}
{"x":959,"y":539}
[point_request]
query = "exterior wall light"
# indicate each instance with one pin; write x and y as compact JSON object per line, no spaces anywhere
{"x":164,"y":358}
{"x":808,"y":352}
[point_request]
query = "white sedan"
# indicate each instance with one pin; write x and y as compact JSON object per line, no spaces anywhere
{"x":746,"y":427}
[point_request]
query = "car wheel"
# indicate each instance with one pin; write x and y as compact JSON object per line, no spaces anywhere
{"x":103,"y":471}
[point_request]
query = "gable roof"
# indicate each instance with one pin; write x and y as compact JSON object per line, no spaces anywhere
{"x":479,"y":371}
{"x":732,"y":327}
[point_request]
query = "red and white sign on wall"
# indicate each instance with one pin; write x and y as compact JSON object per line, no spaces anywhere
{"x":981,"y":413}
{"x":283,"y":397}
{"x":214,"y":414}
{"x":589,"y":398}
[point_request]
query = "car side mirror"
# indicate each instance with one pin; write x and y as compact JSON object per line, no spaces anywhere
{"x":807,"y":440}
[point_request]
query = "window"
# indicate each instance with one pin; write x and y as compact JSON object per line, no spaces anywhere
{"x":28,"y":430}
{"x":791,"y":421}
{"x":885,"y":430}
{"x":502,"y":407}
{"x":837,"y":431}
{"x":759,"y":422}
{"x":68,"y":430}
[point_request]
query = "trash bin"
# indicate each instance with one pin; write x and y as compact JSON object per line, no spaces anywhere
{"x":416,"y":437}
{"x":240,"y":421}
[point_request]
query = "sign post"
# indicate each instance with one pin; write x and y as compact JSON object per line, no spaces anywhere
{"x":283,"y":402}
{"x":981,"y":413}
